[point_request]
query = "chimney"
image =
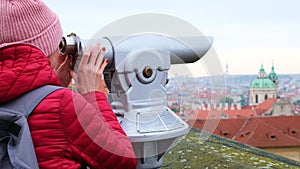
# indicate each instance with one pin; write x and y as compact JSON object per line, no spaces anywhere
{"x":232,"y":106}
{"x":220,"y":106}
{"x":203,"y":106}
{"x":215,"y":106}
{"x":226,"y":106}
{"x":208,"y":106}
{"x":238,"y":106}
{"x":198,"y":106}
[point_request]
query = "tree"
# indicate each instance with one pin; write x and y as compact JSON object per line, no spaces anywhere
{"x":227,"y":99}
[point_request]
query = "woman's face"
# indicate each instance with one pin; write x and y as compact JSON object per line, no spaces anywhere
{"x":61,"y":66}
{"x":63,"y":71}
{"x":53,"y":59}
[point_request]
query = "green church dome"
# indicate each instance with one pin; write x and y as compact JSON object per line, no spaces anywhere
{"x":262,"y":83}
{"x":263,"y":80}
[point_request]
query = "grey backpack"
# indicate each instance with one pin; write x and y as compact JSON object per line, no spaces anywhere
{"x":16,"y":147}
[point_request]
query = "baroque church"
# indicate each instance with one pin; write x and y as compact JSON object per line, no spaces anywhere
{"x":264,"y":87}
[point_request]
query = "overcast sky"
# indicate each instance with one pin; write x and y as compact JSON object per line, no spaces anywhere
{"x":246,"y":33}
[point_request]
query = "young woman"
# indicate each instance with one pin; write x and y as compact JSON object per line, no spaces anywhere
{"x":69,"y":129}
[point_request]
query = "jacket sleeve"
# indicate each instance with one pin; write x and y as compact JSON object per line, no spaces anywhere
{"x":95,"y":138}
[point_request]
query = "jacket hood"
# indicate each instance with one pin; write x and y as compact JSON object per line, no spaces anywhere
{"x":23,"y":68}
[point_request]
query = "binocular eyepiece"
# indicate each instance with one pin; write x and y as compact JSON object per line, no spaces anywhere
{"x":71,"y":46}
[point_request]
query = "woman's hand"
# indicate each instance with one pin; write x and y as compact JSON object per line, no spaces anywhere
{"x":90,"y":70}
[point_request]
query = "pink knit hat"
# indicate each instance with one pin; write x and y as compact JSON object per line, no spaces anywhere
{"x":29,"y":21}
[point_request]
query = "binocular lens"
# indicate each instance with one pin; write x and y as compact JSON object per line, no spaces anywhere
{"x":62,"y":45}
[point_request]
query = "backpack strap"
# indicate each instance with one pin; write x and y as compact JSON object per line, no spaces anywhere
{"x":26,"y":103}
{"x":13,"y":122}
{"x":7,"y":127}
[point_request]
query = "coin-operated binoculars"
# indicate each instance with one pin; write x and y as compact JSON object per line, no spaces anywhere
{"x":137,"y":75}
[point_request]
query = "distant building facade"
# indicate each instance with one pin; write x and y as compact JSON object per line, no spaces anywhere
{"x":264,"y":87}
{"x":282,"y":107}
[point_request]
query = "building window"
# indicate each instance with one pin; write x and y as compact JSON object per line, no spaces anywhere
{"x":224,"y":133}
{"x":271,"y":136}
{"x":256,"y":98}
{"x":292,"y":131}
{"x":266,"y":97}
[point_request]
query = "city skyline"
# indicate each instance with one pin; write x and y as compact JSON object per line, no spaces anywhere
{"x":246,"y":33}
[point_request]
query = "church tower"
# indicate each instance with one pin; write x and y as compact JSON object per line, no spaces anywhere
{"x":226,"y":70}
{"x":273,"y":76}
{"x":263,"y":87}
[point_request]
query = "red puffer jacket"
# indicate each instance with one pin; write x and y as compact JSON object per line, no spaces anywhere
{"x":66,"y":128}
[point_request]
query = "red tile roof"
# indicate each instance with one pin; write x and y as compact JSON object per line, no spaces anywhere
{"x":212,"y":114}
{"x":262,"y":132}
{"x":246,"y":111}
{"x":265,"y":106}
